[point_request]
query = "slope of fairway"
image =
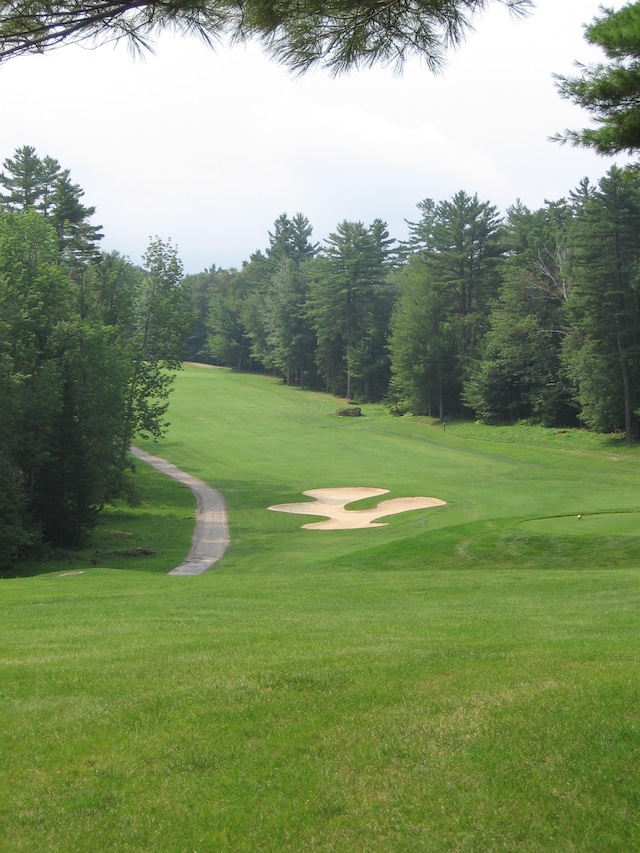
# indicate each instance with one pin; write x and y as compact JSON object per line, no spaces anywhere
{"x":465,"y":678}
{"x":261,"y":443}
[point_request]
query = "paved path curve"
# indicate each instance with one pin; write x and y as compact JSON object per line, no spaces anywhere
{"x":211,"y":536}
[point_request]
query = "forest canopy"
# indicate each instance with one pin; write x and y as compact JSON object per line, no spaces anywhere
{"x":533,"y":315}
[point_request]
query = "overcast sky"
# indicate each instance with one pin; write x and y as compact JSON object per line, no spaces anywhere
{"x":208,"y":148}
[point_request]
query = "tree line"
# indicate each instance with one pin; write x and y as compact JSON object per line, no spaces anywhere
{"x":532,"y":315}
{"x":88,"y":346}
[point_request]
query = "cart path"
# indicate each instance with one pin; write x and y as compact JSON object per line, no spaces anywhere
{"x":211,"y":534}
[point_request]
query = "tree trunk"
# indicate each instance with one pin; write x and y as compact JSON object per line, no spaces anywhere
{"x":629,"y":430}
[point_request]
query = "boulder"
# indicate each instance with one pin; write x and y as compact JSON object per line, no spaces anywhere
{"x":349,"y":412}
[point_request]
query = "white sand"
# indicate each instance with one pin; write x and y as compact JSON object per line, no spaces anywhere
{"x":331,"y":503}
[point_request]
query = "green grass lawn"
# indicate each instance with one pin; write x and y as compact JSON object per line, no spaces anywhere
{"x":466,"y":678}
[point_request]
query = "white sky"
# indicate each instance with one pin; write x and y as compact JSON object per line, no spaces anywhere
{"x":208,"y":148}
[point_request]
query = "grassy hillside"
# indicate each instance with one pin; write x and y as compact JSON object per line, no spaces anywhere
{"x":463,"y":679}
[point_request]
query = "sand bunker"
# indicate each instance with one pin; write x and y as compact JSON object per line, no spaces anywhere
{"x":331,"y":504}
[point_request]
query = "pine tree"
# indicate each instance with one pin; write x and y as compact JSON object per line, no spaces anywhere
{"x":519,"y":372}
{"x":603,"y":350}
{"x":22,"y":181}
{"x":78,"y":238}
{"x":609,"y":92}
{"x":348,"y":286}
{"x":451,"y":282}
{"x":336,"y":34}
{"x":41,"y":184}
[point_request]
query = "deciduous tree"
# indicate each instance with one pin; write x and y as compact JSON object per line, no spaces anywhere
{"x":158,"y":343}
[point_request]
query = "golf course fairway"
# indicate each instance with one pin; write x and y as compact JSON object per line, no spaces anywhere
{"x":463,"y":677}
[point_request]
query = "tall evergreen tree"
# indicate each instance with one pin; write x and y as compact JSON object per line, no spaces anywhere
{"x":291,"y":238}
{"x":289,"y":333}
{"x":22,"y":180}
{"x":459,"y":249}
{"x":87,"y":343}
{"x":519,"y":372}
{"x":603,"y":350}
{"x":348,"y":285}
{"x":263,"y":315}
{"x":422,"y":343}
{"x":60,"y":428}
{"x":421,"y":232}
{"x":41,"y":184}
{"x":228,"y":341}
{"x":78,"y":237}
{"x":198,"y":289}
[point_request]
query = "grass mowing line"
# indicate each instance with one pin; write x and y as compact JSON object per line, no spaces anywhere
{"x":449,"y":684}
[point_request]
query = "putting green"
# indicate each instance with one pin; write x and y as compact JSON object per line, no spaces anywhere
{"x":595,"y":524}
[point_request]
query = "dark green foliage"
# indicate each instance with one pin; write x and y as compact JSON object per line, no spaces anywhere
{"x":603,"y":348}
{"x":519,"y":375}
{"x":338,"y":33}
{"x":231,"y":303}
{"x":274,"y":314}
{"x":312,"y":316}
{"x":257,"y":316}
{"x":422,"y":344}
{"x":349,"y":304}
{"x":289,"y":334}
{"x":87,"y":348}
{"x":156,"y":345}
{"x":609,"y":92}
{"x":24,"y":182}
{"x":564,"y":340}
{"x":88,"y":437}
{"x":228,"y":344}
{"x":198,"y":291}
{"x":291,"y":238}
{"x":38,"y":306}
{"x":41,"y":184}
{"x":450,"y":287}
{"x":78,"y":238}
